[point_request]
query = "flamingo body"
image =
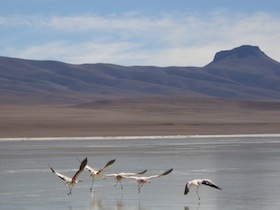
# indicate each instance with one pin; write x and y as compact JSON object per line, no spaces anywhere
{"x":97,"y":174}
{"x":143,"y":180}
{"x":122,"y":175}
{"x":198,"y":183}
{"x":74,"y":180}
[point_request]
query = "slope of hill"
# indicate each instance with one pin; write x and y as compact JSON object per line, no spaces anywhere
{"x":241,"y":73}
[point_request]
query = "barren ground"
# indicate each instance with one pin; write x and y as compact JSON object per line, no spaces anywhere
{"x":176,"y":116}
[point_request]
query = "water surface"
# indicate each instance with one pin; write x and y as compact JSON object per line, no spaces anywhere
{"x":246,"y":167}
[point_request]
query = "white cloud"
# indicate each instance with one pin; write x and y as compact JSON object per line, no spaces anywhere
{"x":133,"y":39}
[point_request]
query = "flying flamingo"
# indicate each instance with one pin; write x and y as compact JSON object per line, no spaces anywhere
{"x":119,"y":176}
{"x":98,"y":173}
{"x":71,"y":181}
{"x":143,"y":180}
{"x":198,"y":183}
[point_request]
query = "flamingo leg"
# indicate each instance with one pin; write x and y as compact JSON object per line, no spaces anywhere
{"x":70,"y":190}
{"x":91,"y":185}
{"x":139,"y":187}
{"x":117,"y":184}
{"x":197,"y":193}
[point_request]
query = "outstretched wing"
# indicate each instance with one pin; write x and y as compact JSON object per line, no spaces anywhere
{"x":163,"y":174}
{"x":61,"y":176}
{"x":82,"y":166}
{"x":107,"y":165}
{"x":133,"y":177}
{"x":210,"y":183}
{"x":111,"y":174}
{"x":90,"y":169}
{"x":166,"y":172}
{"x":124,"y":174}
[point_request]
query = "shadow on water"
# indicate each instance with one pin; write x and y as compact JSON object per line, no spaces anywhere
{"x":187,"y":208}
{"x":101,"y":203}
{"x":96,"y":202}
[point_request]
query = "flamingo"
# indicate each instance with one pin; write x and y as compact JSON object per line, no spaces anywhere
{"x":74,"y":180}
{"x":198,"y":183}
{"x":98,"y":173}
{"x":119,"y":176}
{"x":143,"y":180}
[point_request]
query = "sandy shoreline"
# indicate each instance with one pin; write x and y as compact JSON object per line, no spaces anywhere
{"x":183,"y":117}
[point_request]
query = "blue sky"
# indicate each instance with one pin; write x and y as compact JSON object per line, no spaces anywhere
{"x":134,"y":32}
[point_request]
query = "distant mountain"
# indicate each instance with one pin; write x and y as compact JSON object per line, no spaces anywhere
{"x":241,"y":73}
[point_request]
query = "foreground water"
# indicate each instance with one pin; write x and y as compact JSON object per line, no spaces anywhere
{"x":247,"y":168}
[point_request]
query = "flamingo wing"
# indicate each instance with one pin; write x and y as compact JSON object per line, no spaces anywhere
{"x":107,"y":165}
{"x":133,"y":177}
{"x":90,"y":169}
{"x":87,"y":167}
{"x":82,"y":166}
{"x":124,"y":174}
{"x":111,"y":174}
{"x":210,"y":184}
{"x":61,"y":176}
{"x":160,"y":175}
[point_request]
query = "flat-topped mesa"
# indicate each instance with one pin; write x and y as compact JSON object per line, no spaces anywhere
{"x":240,"y":52}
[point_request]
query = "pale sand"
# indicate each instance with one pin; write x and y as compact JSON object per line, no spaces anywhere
{"x":125,"y":119}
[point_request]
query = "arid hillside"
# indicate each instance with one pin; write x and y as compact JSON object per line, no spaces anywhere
{"x":241,"y":73}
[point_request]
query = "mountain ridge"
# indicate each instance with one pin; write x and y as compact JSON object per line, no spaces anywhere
{"x":241,"y":73}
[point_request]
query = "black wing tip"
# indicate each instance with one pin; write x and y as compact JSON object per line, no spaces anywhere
{"x":84,"y":160}
{"x":215,"y":186}
{"x":83,"y":164}
{"x":211,"y":184}
{"x":167,"y":172}
{"x":186,"y":189}
{"x":112,"y":161}
{"x":109,"y":163}
{"x":81,"y":160}
{"x":51,"y":169}
{"x":142,"y":172}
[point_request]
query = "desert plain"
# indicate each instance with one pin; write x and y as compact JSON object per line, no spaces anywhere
{"x":140,"y":117}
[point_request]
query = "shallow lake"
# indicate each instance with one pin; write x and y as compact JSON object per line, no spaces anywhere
{"x":246,"y":167}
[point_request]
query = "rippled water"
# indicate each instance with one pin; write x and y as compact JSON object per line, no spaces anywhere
{"x":246,"y":167}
